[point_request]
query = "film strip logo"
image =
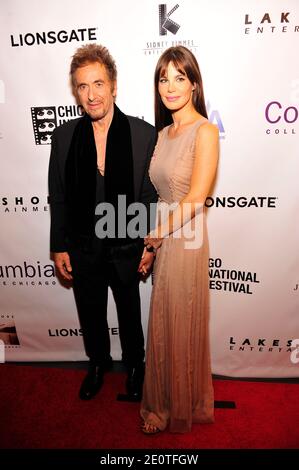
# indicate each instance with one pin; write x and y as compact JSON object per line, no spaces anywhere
{"x":8,"y":334}
{"x":44,"y":122}
{"x":165,"y":23}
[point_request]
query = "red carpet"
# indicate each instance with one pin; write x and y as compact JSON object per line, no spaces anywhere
{"x":40,"y":408}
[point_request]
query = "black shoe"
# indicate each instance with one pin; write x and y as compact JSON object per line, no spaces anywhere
{"x":92,"y":383}
{"x":134,"y":382}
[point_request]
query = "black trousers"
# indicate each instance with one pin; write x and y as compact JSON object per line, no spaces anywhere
{"x":94,"y":270}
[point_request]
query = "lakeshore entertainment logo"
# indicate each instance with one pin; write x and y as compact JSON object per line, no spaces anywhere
{"x":231,"y":280}
{"x":166,"y":24}
{"x":262,"y":345}
{"x":46,"y":118}
{"x":258,"y":202}
{"x":270,"y":23}
{"x":8,"y":331}
{"x":281,"y":118}
{"x":53,"y":37}
{"x":22,"y":204}
{"x":27,"y":274}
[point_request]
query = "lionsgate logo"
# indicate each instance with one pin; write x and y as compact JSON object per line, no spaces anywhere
{"x":168,"y":26}
{"x":27,"y":274}
{"x":281,"y":118}
{"x":45,"y":119}
{"x":74,"y":332}
{"x":231,"y":280}
{"x":63,"y":332}
{"x":53,"y":37}
{"x":257,"y":202}
{"x":261,"y":345}
{"x":270,"y":23}
{"x":29,"y":204}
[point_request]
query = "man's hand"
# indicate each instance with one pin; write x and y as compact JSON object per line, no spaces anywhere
{"x":154,"y":242}
{"x":63,"y":265}
{"x":146,"y":262}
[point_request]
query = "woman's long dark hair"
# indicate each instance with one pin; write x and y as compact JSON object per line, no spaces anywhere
{"x":185,"y":62}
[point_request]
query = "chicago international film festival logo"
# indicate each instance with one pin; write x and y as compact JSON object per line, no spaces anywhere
{"x":165,"y":22}
{"x":44,"y":122}
{"x":8,"y":332}
{"x":45,"y":119}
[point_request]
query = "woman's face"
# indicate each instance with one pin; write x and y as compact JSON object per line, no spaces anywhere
{"x":175,"y":89}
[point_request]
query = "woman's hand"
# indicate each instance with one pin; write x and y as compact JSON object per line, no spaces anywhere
{"x":152,"y":244}
{"x":146,"y":262}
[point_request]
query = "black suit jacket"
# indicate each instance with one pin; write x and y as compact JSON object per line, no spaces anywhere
{"x":143,"y":137}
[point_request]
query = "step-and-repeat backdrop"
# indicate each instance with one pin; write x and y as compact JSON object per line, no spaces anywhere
{"x":248,"y":54}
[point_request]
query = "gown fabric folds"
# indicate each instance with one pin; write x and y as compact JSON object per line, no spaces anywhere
{"x":178,"y":388}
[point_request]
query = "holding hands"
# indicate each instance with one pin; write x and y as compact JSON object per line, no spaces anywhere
{"x":149,"y":253}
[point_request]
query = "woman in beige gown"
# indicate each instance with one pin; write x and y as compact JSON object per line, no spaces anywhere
{"x":178,"y":388}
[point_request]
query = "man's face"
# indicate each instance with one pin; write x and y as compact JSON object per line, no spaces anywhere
{"x":95,"y":90}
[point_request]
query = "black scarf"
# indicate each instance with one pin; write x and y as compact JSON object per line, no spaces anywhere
{"x":81,"y":171}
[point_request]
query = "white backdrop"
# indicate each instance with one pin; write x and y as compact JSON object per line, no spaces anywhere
{"x":247,"y":52}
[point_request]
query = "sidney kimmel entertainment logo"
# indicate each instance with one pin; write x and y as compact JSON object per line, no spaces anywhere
{"x":165,"y":22}
{"x":44,"y":122}
{"x":158,"y":44}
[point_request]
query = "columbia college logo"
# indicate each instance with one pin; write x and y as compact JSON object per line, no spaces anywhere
{"x":44,"y":122}
{"x":165,"y":22}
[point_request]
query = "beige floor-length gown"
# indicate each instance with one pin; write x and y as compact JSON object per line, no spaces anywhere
{"x":178,"y":386}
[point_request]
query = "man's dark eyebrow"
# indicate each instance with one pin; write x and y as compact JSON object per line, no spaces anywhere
{"x":96,"y":81}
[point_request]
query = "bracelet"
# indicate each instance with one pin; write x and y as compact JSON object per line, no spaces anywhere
{"x":150,"y":249}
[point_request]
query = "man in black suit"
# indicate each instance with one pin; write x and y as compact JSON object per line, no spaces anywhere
{"x":95,"y":160}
